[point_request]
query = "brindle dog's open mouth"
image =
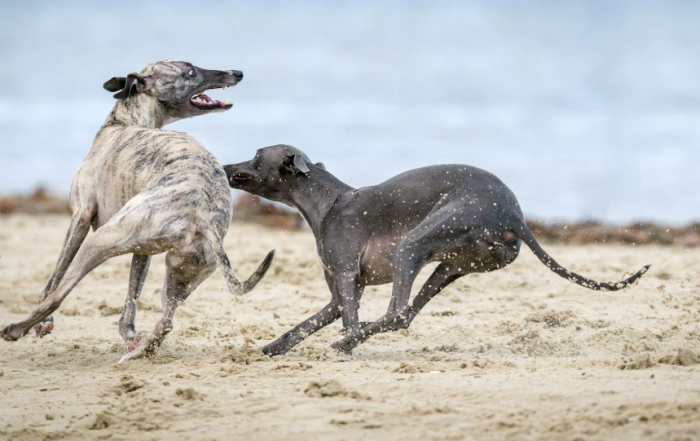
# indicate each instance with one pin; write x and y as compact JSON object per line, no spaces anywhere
{"x":203,"y":102}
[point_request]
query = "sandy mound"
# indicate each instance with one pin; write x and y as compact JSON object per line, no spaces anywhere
{"x":516,"y":354}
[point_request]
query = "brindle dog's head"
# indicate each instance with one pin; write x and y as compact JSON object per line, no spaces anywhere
{"x":274,"y":173}
{"x":177,"y":87}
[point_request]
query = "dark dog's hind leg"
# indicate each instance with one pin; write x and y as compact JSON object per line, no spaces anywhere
{"x":139,"y":270}
{"x":443,"y":275}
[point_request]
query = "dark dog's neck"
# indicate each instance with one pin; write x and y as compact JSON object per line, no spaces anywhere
{"x":138,"y":110}
{"x":317,"y":195}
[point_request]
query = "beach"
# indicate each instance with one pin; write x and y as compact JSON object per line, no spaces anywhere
{"x":518,"y":354}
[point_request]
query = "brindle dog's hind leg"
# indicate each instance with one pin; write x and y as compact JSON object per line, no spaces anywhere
{"x":107,"y":242}
{"x":139,"y":270}
{"x":78,"y":230}
{"x":185,"y":270}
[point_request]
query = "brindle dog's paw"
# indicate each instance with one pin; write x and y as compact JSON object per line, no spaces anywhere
{"x":133,"y":344}
{"x":43,"y":328}
{"x":137,"y":349}
{"x":7,"y":333}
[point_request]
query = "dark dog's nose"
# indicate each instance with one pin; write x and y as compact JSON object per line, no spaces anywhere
{"x":238,"y":74}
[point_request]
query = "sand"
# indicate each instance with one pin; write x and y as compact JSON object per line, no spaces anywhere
{"x":516,"y":354}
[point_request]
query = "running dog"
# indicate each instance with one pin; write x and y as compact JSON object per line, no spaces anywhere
{"x":461,"y":216}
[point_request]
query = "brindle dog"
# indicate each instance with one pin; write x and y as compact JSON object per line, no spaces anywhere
{"x":147,"y":191}
{"x":461,"y":216}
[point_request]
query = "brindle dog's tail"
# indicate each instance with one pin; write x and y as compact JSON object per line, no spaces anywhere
{"x":234,"y":285}
{"x":526,"y":236}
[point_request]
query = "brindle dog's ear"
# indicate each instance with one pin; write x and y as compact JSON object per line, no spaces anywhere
{"x":296,"y":164}
{"x":114,"y":84}
{"x":129,"y":82}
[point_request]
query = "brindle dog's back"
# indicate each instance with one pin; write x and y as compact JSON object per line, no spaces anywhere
{"x":172,"y":160}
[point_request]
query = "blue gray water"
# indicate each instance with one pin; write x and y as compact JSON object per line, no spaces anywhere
{"x":585,"y":109}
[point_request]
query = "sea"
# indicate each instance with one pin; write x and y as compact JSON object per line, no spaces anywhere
{"x":585,"y":109}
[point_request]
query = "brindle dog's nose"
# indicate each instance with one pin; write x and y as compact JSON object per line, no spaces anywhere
{"x":238,"y":74}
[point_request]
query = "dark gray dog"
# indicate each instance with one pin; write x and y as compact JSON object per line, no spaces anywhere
{"x":147,"y":191}
{"x":461,"y":216}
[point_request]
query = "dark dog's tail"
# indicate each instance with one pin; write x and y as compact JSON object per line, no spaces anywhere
{"x":526,"y":236}
{"x":234,"y":285}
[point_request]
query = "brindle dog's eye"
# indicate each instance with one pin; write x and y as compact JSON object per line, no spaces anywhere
{"x":191,"y":73}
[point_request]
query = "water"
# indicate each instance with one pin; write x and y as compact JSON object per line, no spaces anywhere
{"x":585,"y":109}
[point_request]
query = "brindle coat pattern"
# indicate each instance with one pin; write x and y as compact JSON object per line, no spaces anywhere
{"x":461,"y":216}
{"x":147,"y":191}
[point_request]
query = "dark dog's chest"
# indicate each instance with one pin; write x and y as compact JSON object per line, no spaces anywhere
{"x":376,"y":259}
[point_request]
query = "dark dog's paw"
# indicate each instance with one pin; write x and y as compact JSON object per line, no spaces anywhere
{"x":43,"y":328}
{"x":345,"y":344}
{"x":344,"y":331}
{"x":396,"y":325}
{"x":274,"y":349}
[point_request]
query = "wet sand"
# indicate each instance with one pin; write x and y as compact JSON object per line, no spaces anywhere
{"x":515,"y":354}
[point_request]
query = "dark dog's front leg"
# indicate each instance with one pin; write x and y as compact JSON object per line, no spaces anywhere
{"x":326,"y":316}
{"x":410,"y":257}
{"x":348,"y":293}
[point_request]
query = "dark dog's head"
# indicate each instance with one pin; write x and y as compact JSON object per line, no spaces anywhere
{"x":274,"y":173}
{"x":177,"y":87}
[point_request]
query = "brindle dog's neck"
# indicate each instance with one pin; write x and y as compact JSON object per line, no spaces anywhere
{"x":138,"y":110}
{"x":316,"y":196}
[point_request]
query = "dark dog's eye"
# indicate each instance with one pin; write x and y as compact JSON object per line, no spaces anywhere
{"x":191,"y":73}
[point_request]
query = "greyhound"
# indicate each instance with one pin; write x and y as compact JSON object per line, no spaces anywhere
{"x":461,"y":216}
{"x":147,"y":191}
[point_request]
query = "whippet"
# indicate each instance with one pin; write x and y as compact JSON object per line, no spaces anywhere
{"x":461,"y":216}
{"x":147,"y":191}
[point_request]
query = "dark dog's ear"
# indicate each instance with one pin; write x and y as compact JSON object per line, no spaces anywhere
{"x":321,"y":166}
{"x":114,"y":84}
{"x":296,"y":164}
